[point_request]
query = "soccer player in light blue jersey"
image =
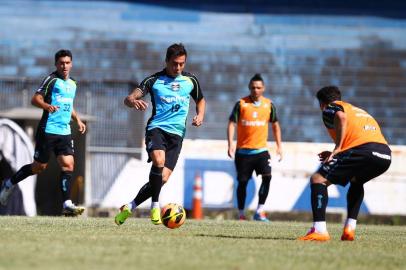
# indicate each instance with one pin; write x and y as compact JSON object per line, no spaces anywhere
{"x":170,"y":91}
{"x":55,"y":96}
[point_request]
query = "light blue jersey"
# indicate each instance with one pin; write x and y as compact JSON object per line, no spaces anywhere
{"x":60,"y":93}
{"x":170,"y":98}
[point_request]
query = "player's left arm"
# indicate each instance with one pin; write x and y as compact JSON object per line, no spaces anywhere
{"x":200,"y":111}
{"x":340,"y":125}
{"x":276,"y":131}
{"x":277,"y":134}
{"x":197,"y":96}
{"x":75,"y":117}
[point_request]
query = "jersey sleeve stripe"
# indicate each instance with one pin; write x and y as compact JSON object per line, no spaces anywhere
{"x":46,"y":89}
{"x":197,"y":88}
{"x":144,"y":82}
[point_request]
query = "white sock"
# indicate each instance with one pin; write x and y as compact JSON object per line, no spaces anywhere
{"x":8,"y":183}
{"x":260,"y":208}
{"x":67,"y":203}
{"x":154,"y":205}
{"x":351,"y":222}
{"x":132,"y":205}
{"x":320,"y":226}
{"x":241,"y":212}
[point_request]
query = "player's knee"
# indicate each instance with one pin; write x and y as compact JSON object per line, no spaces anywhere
{"x":159,"y":162}
{"x":67,"y":168}
{"x":317,"y":178}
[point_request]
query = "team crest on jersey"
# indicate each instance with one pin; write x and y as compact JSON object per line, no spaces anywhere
{"x":254,"y":114}
{"x":175,"y":86}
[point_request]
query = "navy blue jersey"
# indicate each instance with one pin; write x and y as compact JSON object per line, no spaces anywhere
{"x":170,"y":98}
{"x":57,"y":92}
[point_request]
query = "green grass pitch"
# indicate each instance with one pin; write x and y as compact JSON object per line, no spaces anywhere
{"x":97,"y":243}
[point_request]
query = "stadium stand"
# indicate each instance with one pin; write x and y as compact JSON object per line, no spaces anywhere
{"x":117,"y":43}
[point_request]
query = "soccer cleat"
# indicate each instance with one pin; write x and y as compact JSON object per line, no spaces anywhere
{"x":348,"y":234}
{"x":312,"y":235}
{"x":125,"y":212}
{"x":261,"y":217}
{"x":156,"y":216}
{"x":5,"y":193}
{"x":72,"y":210}
{"x":242,"y":217}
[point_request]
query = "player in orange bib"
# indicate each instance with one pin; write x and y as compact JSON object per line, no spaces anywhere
{"x":361,"y":153}
{"x":251,"y":115}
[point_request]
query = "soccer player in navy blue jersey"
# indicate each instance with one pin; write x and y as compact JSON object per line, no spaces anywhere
{"x":170,"y":91}
{"x":55,"y":96}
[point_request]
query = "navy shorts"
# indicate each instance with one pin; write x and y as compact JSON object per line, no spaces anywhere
{"x":157,"y":139}
{"x":46,"y":142}
{"x":359,"y":164}
{"x":247,"y":164}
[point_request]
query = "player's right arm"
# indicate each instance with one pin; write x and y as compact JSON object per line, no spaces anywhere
{"x":134,"y":100}
{"x":231,"y":129}
{"x":38,"y":100}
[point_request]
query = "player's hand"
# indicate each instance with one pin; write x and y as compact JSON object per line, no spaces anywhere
{"x":197,"y":121}
{"x":279,"y":154}
{"x":231,"y":151}
{"x":332,"y":154}
{"x":51,"y":108}
{"x":82,"y":127}
{"x":324,"y":155}
{"x":138,"y":104}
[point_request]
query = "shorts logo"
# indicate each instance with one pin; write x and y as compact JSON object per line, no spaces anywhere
{"x":149,"y":145}
{"x":383,"y":156}
{"x":36,"y":154}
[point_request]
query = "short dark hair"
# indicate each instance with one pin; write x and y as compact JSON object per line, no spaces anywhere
{"x":176,"y":49}
{"x":256,"y":77}
{"x":63,"y":53}
{"x":328,"y":94}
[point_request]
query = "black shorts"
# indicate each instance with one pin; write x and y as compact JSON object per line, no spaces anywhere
{"x":46,"y":142}
{"x":247,"y":164}
{"x":157,"y":139}
{"x":359,"y":164}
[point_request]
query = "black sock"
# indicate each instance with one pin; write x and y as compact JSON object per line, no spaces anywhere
{"x":355,"y":195}
{"x":66,"y":179}
{"x":143,"y":195}
{"x":21,"y":174}
{"x":319,"y":199}
{"x":155,"y":180}
{"x":241,"y":194}
{"x":264,"y":189}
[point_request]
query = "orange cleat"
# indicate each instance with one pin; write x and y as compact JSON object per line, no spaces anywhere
{"x":348,"y":234}
{"x":312,"y":235}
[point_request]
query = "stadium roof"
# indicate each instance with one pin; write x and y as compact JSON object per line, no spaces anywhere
{"x":388,"y":8}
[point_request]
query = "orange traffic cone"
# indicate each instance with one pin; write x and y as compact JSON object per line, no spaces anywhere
{"x":197,"y":212}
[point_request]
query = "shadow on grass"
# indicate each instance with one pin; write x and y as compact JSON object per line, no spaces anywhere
{"x":243,"y":237}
